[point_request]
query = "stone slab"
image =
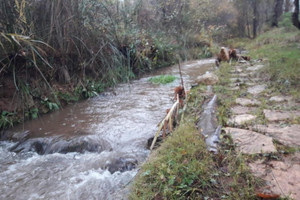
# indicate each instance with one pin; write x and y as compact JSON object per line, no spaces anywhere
{"x":238,"y":110}
{"x":234,"y":88}
{"x":241,"y":119}
{"x":237,"y":70}
{"x":250,"y":84}
{"x":238,"y":80}
{"x":289,"y":135}
{"x":280,"y":115}
{"x":279,"y":99}
{"x":256,"y":80}
{"x":241,"y":75}
{"x":250,"y":142}
{"x":247,"y":102}
{"x":257,"y":89}
{"x":255,"y":68}
{"x":281,"y":176}
{"x":208,"y":79}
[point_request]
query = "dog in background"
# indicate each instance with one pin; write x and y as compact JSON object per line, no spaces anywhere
{"x":226,"y":55}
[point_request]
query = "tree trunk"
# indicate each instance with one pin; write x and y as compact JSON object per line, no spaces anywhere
{"x":248,"y":26}
{"x":255,"y":18}
{"x":287,"y":6}
{"x":277,"y":12}
{"x":295,"y":15}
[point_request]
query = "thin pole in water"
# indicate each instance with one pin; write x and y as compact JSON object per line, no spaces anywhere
{"x":180,"y":74}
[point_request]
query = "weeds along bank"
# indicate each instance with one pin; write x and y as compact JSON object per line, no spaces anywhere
{"x":58,"y":52}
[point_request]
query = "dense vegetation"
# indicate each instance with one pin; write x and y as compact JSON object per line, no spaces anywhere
{"x":55,"y":52}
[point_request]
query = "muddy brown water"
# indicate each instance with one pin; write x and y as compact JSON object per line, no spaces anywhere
{"x":89,"y":150}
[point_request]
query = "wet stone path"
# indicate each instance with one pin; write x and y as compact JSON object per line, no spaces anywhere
{"x":262,"y":122}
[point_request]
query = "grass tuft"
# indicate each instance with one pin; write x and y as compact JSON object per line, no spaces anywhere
{"x":162,"y":79}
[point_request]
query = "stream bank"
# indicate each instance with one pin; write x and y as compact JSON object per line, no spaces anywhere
{"x":258,"y":153}
{"x":90,"y":149}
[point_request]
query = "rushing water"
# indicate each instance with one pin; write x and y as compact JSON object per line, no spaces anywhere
{"x":89,"y":150}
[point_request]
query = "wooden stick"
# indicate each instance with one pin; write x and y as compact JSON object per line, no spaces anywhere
{"x":180,"y":74}
{"x":170,"y":123}
{"x":156,"y":135}
{"x":163,"y":122}
{"x":165,"y":127}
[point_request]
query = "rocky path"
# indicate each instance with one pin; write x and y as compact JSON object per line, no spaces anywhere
{"x":265,"y":123}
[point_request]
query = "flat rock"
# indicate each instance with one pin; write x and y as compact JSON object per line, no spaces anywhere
{"x":238,"y":80}
{"x":256,"y":80}
{"x":250,"y":84}
{"x":247,"y":102}
{"x":237,"y":70}
{"x":235,"y":84}
{"x":281,"y":115}
{"x":208,"y":79}
{"x":257,"y":89}
{"x":255,"y":68}
{"x":250,"y":142}
{"x":289,"y":135}
{"x":281,"y":176}
{"x":242,"y":119}
{"x":238,"y":110}
{"x":241,"y":75}
{"x":280,"y":98}
{"x":234,"y":88}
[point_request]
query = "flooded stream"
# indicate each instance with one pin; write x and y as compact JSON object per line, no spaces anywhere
{"x":89,"y":150}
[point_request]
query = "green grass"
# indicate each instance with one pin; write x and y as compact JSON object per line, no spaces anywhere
{"x":237,"y":43}
{"x":6,"y":119}
{"x":226,"y":97}
{"x":182,"y":168}
{"x":280,"y":47}
{"x":162,"y":79}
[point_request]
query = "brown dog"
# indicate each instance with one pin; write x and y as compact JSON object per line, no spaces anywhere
{"x":223,"y":56}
